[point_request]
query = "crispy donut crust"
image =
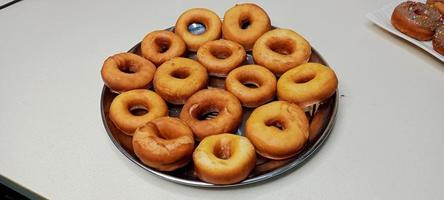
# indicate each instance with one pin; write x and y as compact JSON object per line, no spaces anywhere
{"x":258,"y":20}
{"x":179,"y":78}
{"x":416,"y":19}
{"x":165,"y":143}
{"x":272,"y":142}
{"x":221,"y":56}
{"x":307,"y":84}
{"x":208,"y":18}
{"x":438,"y":40}
{"x":253,"y":74}
{"x":224,"y":159}
{"x":140,"y":76}
{"x":160,"y":46}
{"x":212,"y":100}
{"x":280,"y":50}
{"x":124,"y":120}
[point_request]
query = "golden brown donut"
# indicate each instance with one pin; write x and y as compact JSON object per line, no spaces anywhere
{"x":120,"y":109}
{"x":164,"y":143}
{"x":160,"y":46}
{"x":245,"y":23}
{"x":126,"y":71}
{"x":438,"y":4}
{"x":278,"y":130}
{"x":203,"y":16}
{"x":179,"y":78}
{"x":280,"y":50}
{"x":264,"y":81}
{"x":307,"y":84}
{"x":224,"y":158}
{"x":207,"y":101}
{"x":221,"y":56}
{"x":438,"y":40}
{"x":416,"y":19}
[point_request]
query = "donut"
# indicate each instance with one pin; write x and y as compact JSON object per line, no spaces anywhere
{"x":221,"y":56}
{"x":280,"y":50}
{"x":164,"y":143}
{"x":179,"y":78}
{"x":416,"y":19}
{"x":438,"y":40}
{"x":121,"y":107}
{"x":203,"y":16}
{"x":307,"y":84}
{"x":224,"y":159}
{"x":438,"y":4}
{"x":126,"y":71}
{"x":245,"y":23}
{"x":253,"y":85}
{"x":278,"y":130}
{"x":208,"y":101}
{"x":160,"y":46}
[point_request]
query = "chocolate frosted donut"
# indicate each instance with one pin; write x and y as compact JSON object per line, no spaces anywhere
{"x":416,"y":19}
{"x":438,"y":40}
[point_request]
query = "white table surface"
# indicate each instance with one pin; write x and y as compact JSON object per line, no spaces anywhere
{"x":387,"y":142}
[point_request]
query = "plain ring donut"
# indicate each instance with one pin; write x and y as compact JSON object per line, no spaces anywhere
{"x":126,"y":71}
{"x":198,"y":109}
{"x":165,"y":143}
{"x":245,"y":23}
{"x":307,"y":84}
{"x":179,"y":78}
{"x":224,"y":159}
{"x":160,"y":46}
{"x":121,"y":107}
{"x":280,"y":50}
{"x":416,"y":19}
{"x":221,"y":56}
{"x":203,"y":16}
{"x":278,"y":130}
{"x":253,"y":85}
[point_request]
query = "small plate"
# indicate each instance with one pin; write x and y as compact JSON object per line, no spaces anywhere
{"x":382,"y":18}
{"x":322,"y":118}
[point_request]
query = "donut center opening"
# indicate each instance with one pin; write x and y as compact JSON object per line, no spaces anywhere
{"x":205,"y":113}
{"x":128,"y":69}
{"x":275,"y":123}
{"x":283,"y":47}
{"x":163,"y":44}
{"x":244,"y":24}
{"x":180,"y":73}
{"x":197,"y":28}
{"x":222,"y":150}
{"x":138,"y":110}
{"x":221,"y":52}
{"x":304,"y":79}
{"x":250,"y":84}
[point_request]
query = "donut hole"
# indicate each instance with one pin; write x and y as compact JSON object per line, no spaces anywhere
{"x":205,"y":113}
{"x":304,"y":79}
{"x":222,"y":150}
{"x":197,"y":28}
{"x":128,"y":69}
{"x":163,"y":44}
{"x":221,"y":52}
{"x":138,"y":110}
{"x":251,"y":85}
{"x":180,"y":73}
{"x":250,"y":81}
{"x":283,"y":46}
{"x":244,"y":21}
{"x":275,"y":123}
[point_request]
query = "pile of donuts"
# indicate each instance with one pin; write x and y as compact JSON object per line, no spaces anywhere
{"x":275,"y":129}
{"x":423,"y":22}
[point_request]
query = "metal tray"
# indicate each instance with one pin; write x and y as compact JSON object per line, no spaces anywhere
{"x":321,"y":116}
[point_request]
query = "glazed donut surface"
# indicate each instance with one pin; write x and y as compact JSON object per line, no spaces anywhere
{"x":438,"y":40}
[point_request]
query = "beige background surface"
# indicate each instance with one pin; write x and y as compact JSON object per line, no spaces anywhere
{"x":387,"y":142}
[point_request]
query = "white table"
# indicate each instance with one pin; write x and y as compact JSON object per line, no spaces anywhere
{"x":387,"y":142}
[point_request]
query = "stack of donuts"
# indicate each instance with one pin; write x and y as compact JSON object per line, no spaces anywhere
{"x":423,"y":22}
{"x":280,"y":86}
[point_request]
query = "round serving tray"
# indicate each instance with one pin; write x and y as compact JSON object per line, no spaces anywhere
{"x":321,"y":116}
